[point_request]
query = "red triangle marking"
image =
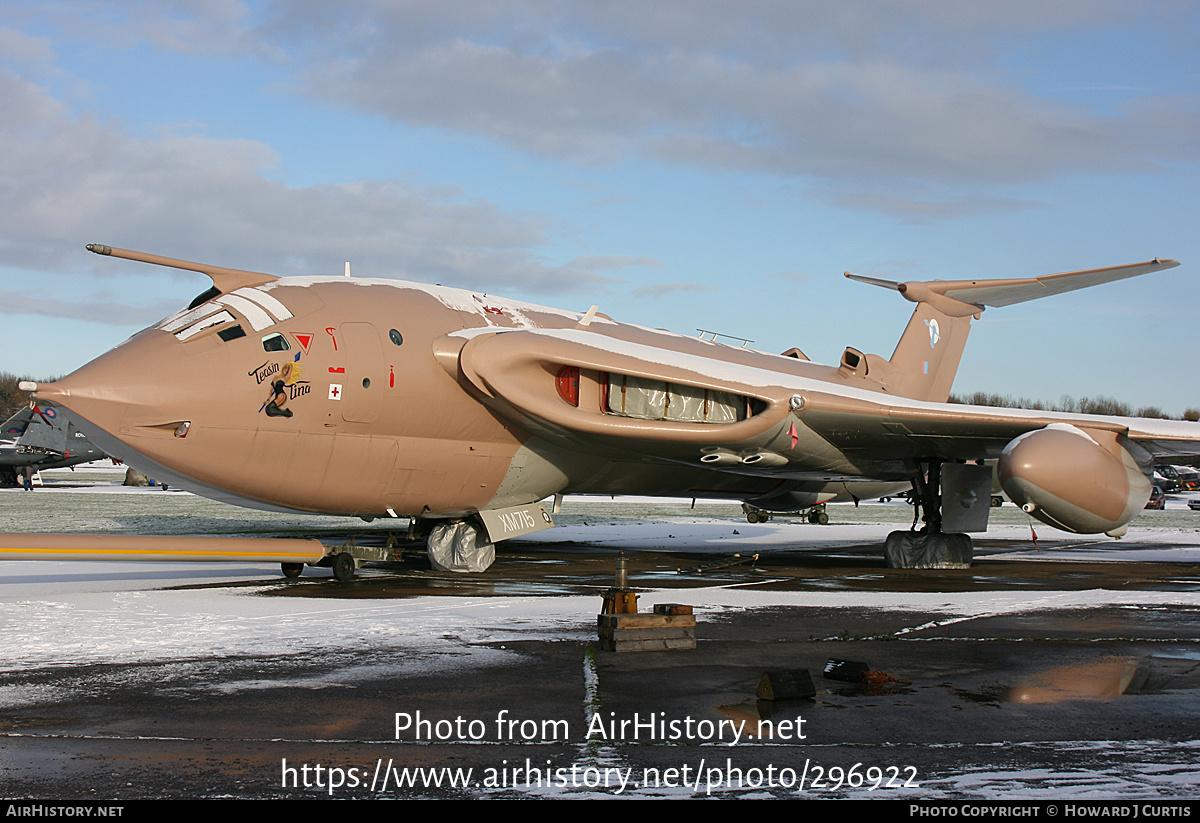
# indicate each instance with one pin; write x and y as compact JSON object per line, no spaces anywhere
{"x":304,"y":338}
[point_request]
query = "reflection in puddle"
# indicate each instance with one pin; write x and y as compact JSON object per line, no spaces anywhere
{"x":1109,"y":677}
{"x":769,"y":720}
{"x":1182,"y":654}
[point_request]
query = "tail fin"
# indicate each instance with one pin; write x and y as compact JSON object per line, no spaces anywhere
{"x":926,"y":358}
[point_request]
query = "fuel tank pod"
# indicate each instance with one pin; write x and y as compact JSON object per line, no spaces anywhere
{"x":1082,"y":481}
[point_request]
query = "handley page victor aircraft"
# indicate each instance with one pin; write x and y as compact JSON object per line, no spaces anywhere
{"x":380,"y":398}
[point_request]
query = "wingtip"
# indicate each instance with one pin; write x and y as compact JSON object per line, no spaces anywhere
{"x":875,"y":281}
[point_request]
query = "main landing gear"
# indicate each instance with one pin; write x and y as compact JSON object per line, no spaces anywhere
{"x":460,"y":546}
{"x":930,"y":547}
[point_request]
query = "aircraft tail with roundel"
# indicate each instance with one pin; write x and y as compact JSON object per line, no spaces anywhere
{"x":926,"y":359}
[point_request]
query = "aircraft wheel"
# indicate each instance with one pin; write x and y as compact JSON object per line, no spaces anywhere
{"x":818,"y":518}
{"x":460,"y":547}
{"x":343,"y":567}
{"x":997,"y":502}
{"x":292,"y":570}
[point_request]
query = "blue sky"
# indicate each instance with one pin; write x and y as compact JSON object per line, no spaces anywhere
{"x":680,"y":163}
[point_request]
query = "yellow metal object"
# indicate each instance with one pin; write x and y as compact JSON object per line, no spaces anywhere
{"x":619,"y":601}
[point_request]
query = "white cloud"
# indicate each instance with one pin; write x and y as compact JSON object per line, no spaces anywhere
{"x":861,"y":92}
{"x":184,"y":26}
{"x":881,"y":95}
{"x":95,"y":308}
{"x":21,"y":49}
{"x":67,"y":180}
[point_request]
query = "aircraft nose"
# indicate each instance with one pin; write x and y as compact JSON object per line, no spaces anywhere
{"x":135,"y":385}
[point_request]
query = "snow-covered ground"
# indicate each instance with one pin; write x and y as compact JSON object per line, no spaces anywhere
{"x":72,"y":611}
{"x":63,"y":614}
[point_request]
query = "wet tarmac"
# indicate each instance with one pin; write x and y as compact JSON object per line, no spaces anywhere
{"x":1079,"y":682}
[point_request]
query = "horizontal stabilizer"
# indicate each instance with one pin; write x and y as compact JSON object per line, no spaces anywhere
{"x":959,"y":298}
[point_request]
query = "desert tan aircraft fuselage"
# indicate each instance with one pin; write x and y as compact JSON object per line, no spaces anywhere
{"x":381,"y":398}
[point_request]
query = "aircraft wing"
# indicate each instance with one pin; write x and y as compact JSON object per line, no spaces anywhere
{"x":960,"y":432}
{"x":37,"y":430}
{"x":15,"y":426}
{"x":46,"y":438}
{"x":812,"y":432}
{"x":800,"y":426}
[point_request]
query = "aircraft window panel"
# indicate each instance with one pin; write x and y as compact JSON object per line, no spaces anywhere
{"x":723,"y":407}
{"x":232,"y":333}
{"x":646,"y":399}
{"x":181,"y":319}
{"x":685,"y":403}
{"x":614,"y":400}
{"x":275,"y":342}
{"x":637,"y":397}
{"x":655,"y":400}
{"x":196,"y":328}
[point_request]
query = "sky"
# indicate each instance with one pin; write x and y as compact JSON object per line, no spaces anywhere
{"x":683,"y":164}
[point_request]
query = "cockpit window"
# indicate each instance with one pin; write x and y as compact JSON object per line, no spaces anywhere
{"x":275,"y":342}
{"x":231,"y":333}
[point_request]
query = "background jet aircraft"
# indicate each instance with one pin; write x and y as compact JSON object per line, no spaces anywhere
{"x":44,"y":439}
{"x":381,"y":398}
